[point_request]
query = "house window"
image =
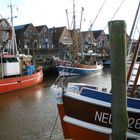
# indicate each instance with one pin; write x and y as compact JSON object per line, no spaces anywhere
{"x":4,"y":25}
{"x":65,"y":38}
{"x":27,"y":34}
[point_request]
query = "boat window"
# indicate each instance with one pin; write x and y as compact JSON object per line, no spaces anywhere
{"x":2,"y":60}
{"x":12,"y":60}
{"x":9,"y":60}
{"x":73,"y":88}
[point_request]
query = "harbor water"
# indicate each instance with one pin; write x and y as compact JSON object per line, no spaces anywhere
{"x":31,"y":113}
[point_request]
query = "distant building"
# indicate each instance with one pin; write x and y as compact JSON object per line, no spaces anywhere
{"x":100,"y":37}
{"x":27,"y":36}
{"x":60,"y":37}
{"x":88,"y":40}
{"x":5,"y":33}
{"x":44,"y":39}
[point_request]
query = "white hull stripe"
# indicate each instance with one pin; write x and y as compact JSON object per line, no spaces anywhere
{"x":98,"y":68}
{"x":94,"y":127}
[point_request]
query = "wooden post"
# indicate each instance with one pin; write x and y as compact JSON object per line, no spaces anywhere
{"x":117,"y":34}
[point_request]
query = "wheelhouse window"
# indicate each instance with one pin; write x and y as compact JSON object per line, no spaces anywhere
{"x":8,"y":60}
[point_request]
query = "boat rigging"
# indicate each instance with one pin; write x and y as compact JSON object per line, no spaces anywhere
{"x":91,"y":25}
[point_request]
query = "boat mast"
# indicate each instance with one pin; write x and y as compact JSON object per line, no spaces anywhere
{"x":79,"y":41}
{"x":67,"y":18}
{"x":76,"y":35}
{"x":74,"y":15}
{"x":13,"y":40}
{"x":92,"y":23}
{"x":132,"y":29}
{"x":129,"y":49}
{"x":81,"y":17}
{"x":74,"y":46}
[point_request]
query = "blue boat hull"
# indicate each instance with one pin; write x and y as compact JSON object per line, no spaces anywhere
{"x":77,"y":71}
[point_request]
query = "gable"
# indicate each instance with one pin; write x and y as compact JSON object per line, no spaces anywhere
{"x":42,"y":28}
{"x":21,"y":29}
{"x":4,"y":24}
{"x":57,"y":32}
{"x":5,"y":30}
{"x":100,"y":35}
{"x":87,"y":37}
{"x":97,"y":33}
{"x":65,"y":37}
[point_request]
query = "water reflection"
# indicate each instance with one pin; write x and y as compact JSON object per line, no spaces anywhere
{"x":25,"y":114}
{"x":29,"y":114}
{"x":100,"y":80}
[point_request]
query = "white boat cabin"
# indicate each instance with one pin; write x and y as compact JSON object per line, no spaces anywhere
{"x":9,"y":65}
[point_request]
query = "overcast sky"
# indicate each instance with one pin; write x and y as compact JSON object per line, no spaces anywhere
{"x":52,"y":12}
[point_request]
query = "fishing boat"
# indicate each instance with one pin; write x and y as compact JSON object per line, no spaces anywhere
{"x":87,"y":66}
{"x":14,"y":77}
{"x":16,"y":70}
{"x":86,"y":111}
{"x":79,"y":62}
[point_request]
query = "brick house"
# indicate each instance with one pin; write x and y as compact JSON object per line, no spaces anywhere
{"x":87,"y":40}
{"x":61,"y":40}
{"x":44,"y":39}
{"x":27,"y":36}
{"x":5,"y":28}
{"x":60,"y":37}
{"x":100,"y":37}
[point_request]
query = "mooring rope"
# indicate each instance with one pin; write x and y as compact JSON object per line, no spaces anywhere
{"x":53,"y":127}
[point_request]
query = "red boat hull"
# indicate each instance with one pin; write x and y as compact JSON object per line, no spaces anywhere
{"x":75,"y":132}
{"x":20,"y":82}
